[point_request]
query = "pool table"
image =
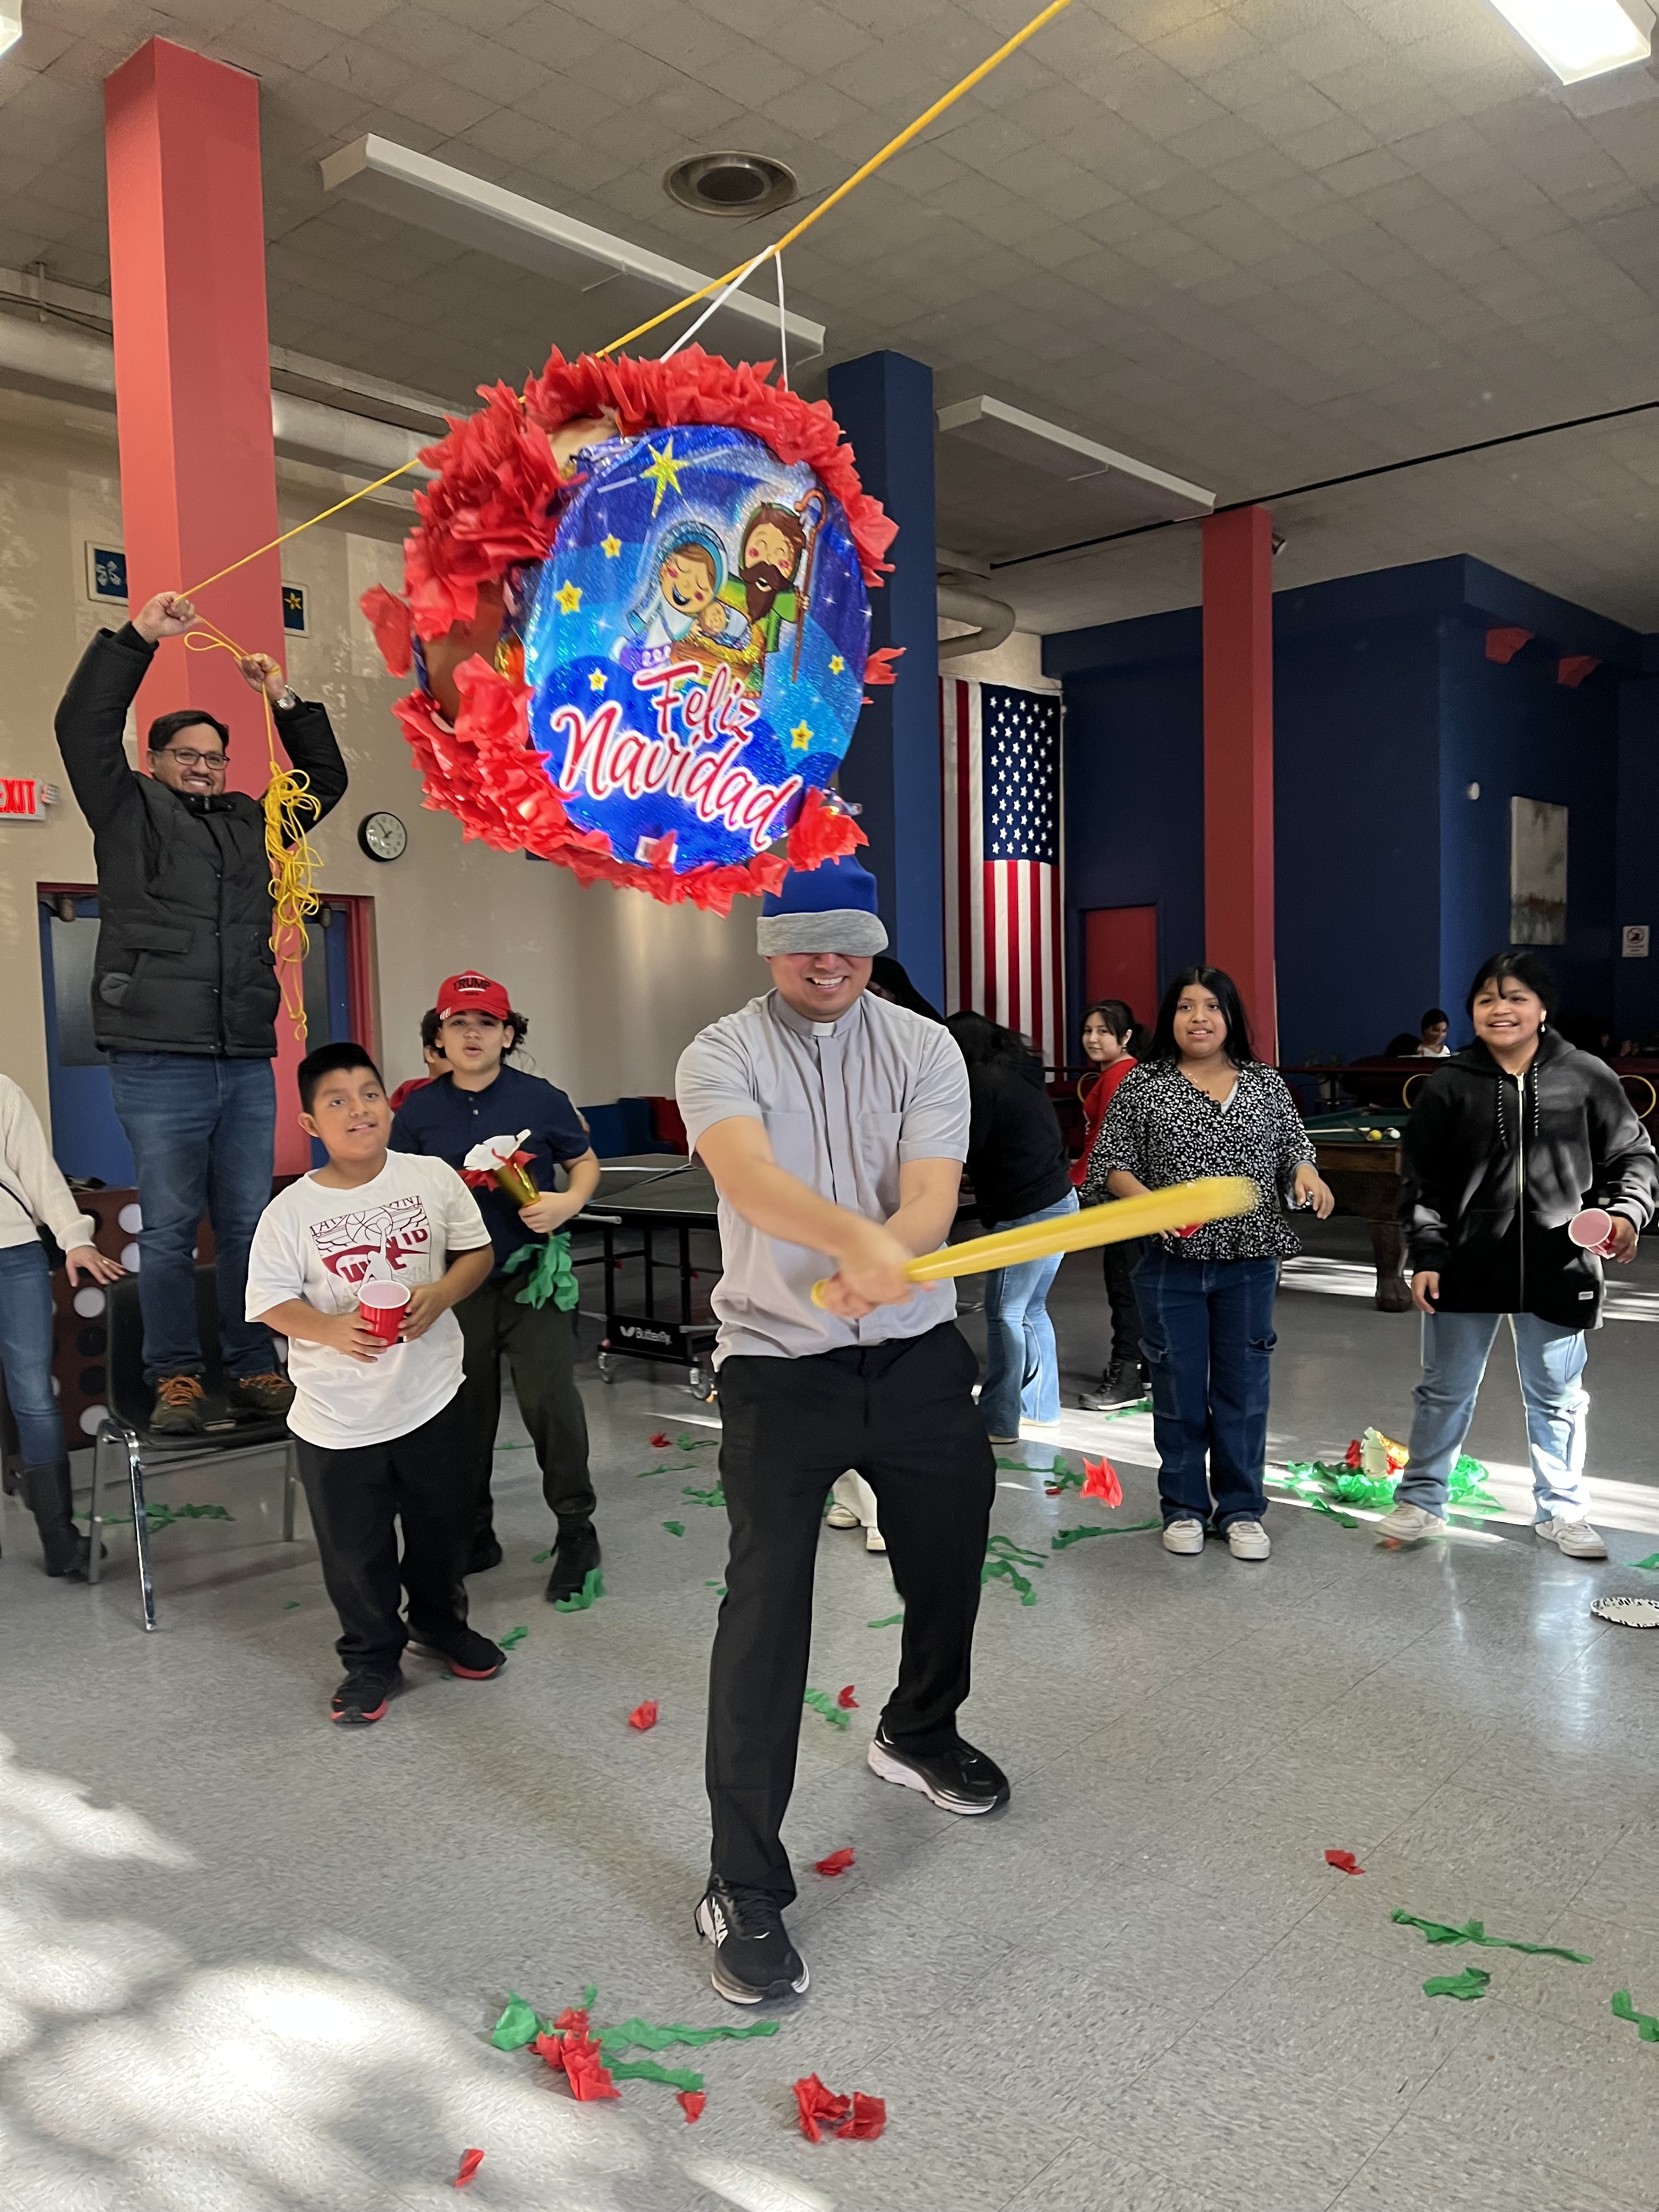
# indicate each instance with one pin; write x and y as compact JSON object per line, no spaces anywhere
{"x":1358,"y":1152}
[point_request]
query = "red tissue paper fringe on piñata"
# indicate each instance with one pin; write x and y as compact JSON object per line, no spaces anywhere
{"x":494,"y":503}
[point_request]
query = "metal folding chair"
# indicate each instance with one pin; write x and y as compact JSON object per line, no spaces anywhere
{"x":125,"y":1440}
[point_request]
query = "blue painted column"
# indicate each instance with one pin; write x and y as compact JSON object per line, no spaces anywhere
{"x":884,"y":405}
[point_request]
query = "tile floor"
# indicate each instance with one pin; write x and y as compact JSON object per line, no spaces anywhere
{"x":248,"y":1964}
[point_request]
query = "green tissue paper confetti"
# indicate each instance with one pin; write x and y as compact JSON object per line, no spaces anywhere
{"x":550,"y":1273}
{"x":1649,"y":1565}
{"x":698,"y":1444}
{"x":1338,"y":1484}
{"x":517,"y":2025}
{"x":821,"y":1702}
{"x":512,"y":1636}
{"x":1471,"y":1983}
{"x":1001,"y":1554}
{"x":291,"y":1605}
{"x":540,"y":1559}
{"x":644,"y":1471}
{"x":647,"y":2070}
{"x":714,"y":1497}
{"x":1643,"y":2023}
{"x":1076,"y":1535}
{"x":720,"y":1587}
{"x":892,"y":1620}
{"x":1475,"y":1931}
{"x":1321,"y":1505}
{"x":157,"y":1515}
{"x":592,"y":1588}
{"x":675,"y":1527}
{"x":646,"y":2035}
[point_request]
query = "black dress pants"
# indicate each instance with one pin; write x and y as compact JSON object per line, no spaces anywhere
{"x":902,"y":1414}
{"x":540,"y":1344}
{"x":1119,"y":1262}
{"x":357,"y":1499}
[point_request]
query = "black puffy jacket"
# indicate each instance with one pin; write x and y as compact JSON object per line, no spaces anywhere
{"x":1494,"y":1166}
{"x":184,"y":960}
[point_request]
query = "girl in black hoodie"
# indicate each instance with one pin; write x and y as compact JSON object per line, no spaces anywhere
{"x":1506,"y":1143}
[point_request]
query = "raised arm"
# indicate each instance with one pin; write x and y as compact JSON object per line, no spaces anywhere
{"x":307,"y":733}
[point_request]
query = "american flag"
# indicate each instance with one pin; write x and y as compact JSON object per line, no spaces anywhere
{"x":1002,"y":882}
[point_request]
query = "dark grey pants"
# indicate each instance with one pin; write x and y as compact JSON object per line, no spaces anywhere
{"x":541,"y":1352}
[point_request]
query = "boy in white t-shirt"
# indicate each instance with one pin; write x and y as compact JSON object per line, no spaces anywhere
{"x":378,"y":1425}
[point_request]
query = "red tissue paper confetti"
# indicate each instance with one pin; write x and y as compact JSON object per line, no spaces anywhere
{"x":845,"y":1700}
{"x":661,"y":1441}
{"x":1354,"y":1455}
{"x":692,"y":2102}
{"x":837,"y":1862}
{"x":644,"y":1716}
{"x":572,"y":2016}
{"x":866,"y":2120}
{"x":471,"y":2161}
{"x":1345,"y":1862}
{"x":586,"y":2070}
{"x":817,"y":2103}
{"x":1100,"y":1480}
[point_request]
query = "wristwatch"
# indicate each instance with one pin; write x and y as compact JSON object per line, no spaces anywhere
{"x":290,"y":700}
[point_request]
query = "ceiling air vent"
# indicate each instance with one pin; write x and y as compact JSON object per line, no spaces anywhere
{"x":731,"y":183}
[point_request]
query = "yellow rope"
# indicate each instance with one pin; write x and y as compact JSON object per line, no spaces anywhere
{"x":289,"y":802}
{"x":893,"y":146}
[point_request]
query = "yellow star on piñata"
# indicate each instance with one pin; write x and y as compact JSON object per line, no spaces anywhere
{"x":569,"y":597}
{"x":664,"y":472}
{"x":610,"y":546}
{"x":800,"y":737}
{"x":596,"y":679}
{"x":837,"y":663}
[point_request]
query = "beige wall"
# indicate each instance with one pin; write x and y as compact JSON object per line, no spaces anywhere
{"x":613,"y":984}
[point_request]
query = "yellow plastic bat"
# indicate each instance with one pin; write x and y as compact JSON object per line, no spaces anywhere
{"x":1182,"y":1205}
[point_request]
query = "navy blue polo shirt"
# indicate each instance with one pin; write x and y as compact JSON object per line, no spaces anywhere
{"x":446,"y":1123}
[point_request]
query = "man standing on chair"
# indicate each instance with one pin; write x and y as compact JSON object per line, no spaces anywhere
{"x":835,"y":1125}
{"x":185,"y":994}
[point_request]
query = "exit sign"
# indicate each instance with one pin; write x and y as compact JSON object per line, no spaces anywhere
{"x":25,"y":798}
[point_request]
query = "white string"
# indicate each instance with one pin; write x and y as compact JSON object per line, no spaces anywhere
{"x":783,"y":324}
{"x":719,"y":300}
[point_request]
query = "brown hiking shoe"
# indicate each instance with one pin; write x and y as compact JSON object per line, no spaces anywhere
{"x":260,"y":1396}
{"x":177,"y":1409}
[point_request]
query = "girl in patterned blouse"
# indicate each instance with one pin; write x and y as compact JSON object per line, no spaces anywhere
{"x":1201,"y":1103}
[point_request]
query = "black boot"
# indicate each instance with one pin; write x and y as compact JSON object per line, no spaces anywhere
{"x":46,"y":1493}
{"x":575,"y":1557}
{"x":1123,"y":1385}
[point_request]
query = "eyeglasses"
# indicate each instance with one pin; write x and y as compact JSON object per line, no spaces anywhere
{"x":188,"y":758}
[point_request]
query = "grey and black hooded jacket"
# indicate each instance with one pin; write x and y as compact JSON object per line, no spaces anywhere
{"x":1494,"y":1166}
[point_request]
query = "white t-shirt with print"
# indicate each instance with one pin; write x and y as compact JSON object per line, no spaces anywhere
{"x":318,"y":1245}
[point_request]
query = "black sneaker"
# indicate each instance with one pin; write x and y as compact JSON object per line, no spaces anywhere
{"x":960,"y":1780}
{"x":1123,"y":1385}
{"x":364,"y":1696}
{"x":754,"y":1958}
{"x":486,"y":1553}
{"x":575,"y":1557}
{"x":464,"y":1651}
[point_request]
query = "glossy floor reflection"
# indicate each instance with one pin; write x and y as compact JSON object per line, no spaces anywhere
{"x":247,"y":1964}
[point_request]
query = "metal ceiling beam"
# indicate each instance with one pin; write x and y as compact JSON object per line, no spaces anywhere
{"x":435,"y":197}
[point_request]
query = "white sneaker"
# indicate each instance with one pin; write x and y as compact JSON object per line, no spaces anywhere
{"x":1406,"y":1523}
{"x":1185,"y":1536}
{"x":1576,"y":1538}
{"x":842,"y":1516}
{"x":873,"y":1540}
{"x":1247,"y":1540}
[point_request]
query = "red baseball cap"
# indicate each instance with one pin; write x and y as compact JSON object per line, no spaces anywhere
{"x":469,"y":992}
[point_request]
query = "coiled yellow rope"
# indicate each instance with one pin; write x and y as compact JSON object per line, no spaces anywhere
{"x":291,"y":805}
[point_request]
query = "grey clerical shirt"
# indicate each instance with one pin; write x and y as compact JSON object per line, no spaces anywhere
{"x":844,"y":1105}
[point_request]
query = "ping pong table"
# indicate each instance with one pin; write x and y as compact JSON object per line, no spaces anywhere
{"x":665,"y":1201}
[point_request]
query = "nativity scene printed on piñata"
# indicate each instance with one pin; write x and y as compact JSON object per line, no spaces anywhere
{"x":696,"y":647}
{"x":636,"y":607}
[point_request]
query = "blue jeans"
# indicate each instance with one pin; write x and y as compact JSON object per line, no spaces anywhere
{"x":1206,"y":1333}
{"x":26,"y":1351}
{"x":203,"y":1132}
{"x":1551,"y":1360}
{"x":1024,"y":1378}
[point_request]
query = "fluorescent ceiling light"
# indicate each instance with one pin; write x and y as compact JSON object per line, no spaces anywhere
{"x":438,"y":197}
{"x":11,"y":28}
{"x":1135,"y":486}
{"x":1582,"y":37}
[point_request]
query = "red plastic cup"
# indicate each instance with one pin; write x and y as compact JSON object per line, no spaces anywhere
{"x":380,"y":1307}
{"x":1592,"y":1231}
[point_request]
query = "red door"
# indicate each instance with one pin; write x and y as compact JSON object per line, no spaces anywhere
{"x":1119,"y":957}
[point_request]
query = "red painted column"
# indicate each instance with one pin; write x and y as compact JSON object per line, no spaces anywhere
{"x":192,"y":394}
{"x":1238,"y":761}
